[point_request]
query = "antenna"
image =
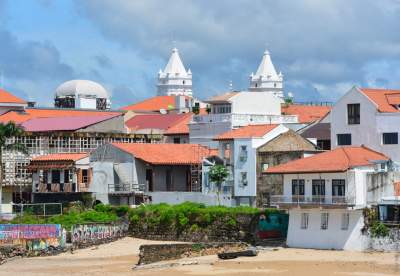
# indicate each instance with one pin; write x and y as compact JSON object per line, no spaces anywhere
{"x":230,"y":85}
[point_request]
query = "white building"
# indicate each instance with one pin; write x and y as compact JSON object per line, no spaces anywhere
{"x":84,"y":94}
{"x":325,"y":195}
{"x":234,"y":109}
{"x":368,"y":117}
{"x":174,"y":79}
{"x":266,"y":79}
{"x":238,"y":148}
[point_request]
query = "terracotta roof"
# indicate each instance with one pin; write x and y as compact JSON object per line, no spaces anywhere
{"x":222,"y":98}
{"x":305,"y":113}
{"x":7,"y":97}
{"x":166,"y":154}
{"x":152,"y":104}
{"x":384,"y":99}
{"x":64,"y":123}
{"x":181,"y":127}
{"x":250,"y":131}
{"x":338,"y":160}
{"x":154,"y":121}
{"x":61,"y":157}
{"x":29,"y":113}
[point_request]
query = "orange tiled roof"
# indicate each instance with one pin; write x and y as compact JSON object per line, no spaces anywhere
{"x":152,"y":104}
{"x":180,"y":127}
{"x":338,"y":160}
{"x":166,"y":154}
{"x":305,"y":113}
{"x":31,"y":113}
{"x":61,"y":157}
{"x":383,"y":98}
{"x":250,"y":131}
{"x":7,"y":97}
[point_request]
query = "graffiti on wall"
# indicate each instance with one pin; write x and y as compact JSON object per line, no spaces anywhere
{"x":33,"y":236}
{"x":84,"y":233}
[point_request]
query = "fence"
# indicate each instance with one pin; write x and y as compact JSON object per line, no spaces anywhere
{"x":32,"y":236}
{"x":38,"y":209}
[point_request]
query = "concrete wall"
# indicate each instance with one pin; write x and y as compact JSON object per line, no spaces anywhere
{"x":262,"y":103}
{"x":203,"y":133}
{"x":113,"y":125}
{"x":333,"y":237}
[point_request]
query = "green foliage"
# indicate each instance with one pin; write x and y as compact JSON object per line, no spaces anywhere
{"x":75,"y":215}
{"x":218,"y":174}
{"x":187,"y":216}
{"x":196,"y":247}
{"x":378,"y":229}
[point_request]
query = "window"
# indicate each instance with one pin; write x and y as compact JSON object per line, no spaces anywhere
{"x":344,"y":139}
{"x":345,"y":221}
{"x":85,"y":176}
{"x":168,"y":179}
{"x":318,"y":187}
{"x":243,"y":153}
{"x":304,"y":221}
{"x":66,"y":176}
{"x":264,"y":166}
{"x":177,"y":140}
{"x":243,"y":178}
{"x":390,"y":138}
{"x":353,"y":114}
{"x":338,"y":187}
{"x":298,"y":187}
{"x":324,"y":221}
{"x":55,"y":176}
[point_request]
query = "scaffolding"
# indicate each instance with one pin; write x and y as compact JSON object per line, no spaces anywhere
{"x":196,"y":170}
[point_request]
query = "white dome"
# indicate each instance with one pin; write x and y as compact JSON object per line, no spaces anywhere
{"x":81,"y":87}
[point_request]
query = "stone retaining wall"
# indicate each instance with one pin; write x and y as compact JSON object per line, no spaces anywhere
{"x":151,"y":253}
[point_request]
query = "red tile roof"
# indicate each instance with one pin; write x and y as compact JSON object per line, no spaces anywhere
{"x":250,"y":131}
{"x":155,"y":121}
{"x":338,"y":160}
{"x":166,"y":154}
{"x":61,"y":157}
{"x":305,"y":113}
{"x":181,"y":127}
{"x":384,"y":99}
{"x":7,"y":97}
{"x":64,"y":123}
{"x":29,"y":113}
{"x":153,"y":104}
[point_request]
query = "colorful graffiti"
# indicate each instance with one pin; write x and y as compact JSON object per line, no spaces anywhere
{"x":92,"y":233}
{"x":33,"y":236}
{"x":272,"y":226}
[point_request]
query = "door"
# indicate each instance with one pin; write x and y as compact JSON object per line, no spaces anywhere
{"x":149,"y":179}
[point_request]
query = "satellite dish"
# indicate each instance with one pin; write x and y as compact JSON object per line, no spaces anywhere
{"x":163,"y":111}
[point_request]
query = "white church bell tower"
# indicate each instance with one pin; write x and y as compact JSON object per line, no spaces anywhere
{"x":266,"y":79}
{"x":174,"y":79}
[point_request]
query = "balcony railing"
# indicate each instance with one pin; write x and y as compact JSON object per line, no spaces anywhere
{"x":125,"y":188}
{"x":245,"y":119}
{"x":56,"y":188}
{"x":312,"y":200}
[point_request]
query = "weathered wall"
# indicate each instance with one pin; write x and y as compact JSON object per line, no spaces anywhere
{"x":391,"y":243}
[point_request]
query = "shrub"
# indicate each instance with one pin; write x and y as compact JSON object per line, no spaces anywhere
{"x":378,"y":229}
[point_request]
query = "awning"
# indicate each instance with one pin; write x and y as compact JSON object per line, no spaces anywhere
{"x":48,"y":166}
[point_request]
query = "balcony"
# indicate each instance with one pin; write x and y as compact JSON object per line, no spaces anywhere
{"x":333,"y":201}
{"x":56,"y":188}
{"x":125,"y":189}
{"x":245,"y":119}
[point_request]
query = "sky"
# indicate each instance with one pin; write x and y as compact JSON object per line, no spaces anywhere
{"x":323,"y":48}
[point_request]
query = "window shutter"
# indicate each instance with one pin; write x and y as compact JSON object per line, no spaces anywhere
{"x":79,"y":174}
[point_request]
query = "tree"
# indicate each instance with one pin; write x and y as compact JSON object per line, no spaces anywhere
{"x":9,"y":130}
{"x":218,"y":174}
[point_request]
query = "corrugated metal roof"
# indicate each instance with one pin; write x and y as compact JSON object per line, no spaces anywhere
{"x":63,"y":123}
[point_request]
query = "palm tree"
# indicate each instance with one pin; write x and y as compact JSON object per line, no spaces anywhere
{"x":218,"y":174}
{"x":9,"y":130}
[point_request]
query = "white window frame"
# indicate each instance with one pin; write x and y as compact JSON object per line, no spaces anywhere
{"x":304,"y":220}
{"x":345,"y":221}
{"x":324,"y":221}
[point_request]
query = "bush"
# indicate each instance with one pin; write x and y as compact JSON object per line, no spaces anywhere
{"x":378,"y":229}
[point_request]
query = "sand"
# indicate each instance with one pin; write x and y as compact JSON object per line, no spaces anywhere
{"x":119,"y":257}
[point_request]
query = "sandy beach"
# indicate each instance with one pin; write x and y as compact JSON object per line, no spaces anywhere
{"x":119,"y":257}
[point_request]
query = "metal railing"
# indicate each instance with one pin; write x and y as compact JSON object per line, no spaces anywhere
{"x":244,"y":119}
{"x":56,"y":188}
{"x":312,"y":200}
{"x":38,"y":209}
{"x":126,"y":188}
